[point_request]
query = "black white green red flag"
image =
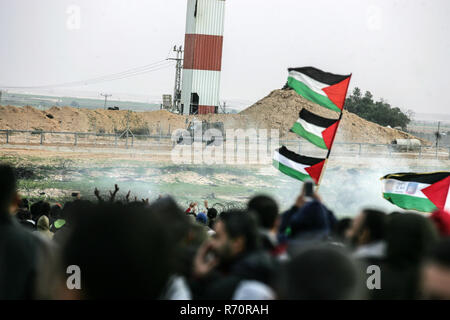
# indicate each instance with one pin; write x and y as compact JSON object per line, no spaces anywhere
{"x":317,"y":130}
{"x":324,"y":88}
{"x":423,"y":192}
{"x":297,"y":166}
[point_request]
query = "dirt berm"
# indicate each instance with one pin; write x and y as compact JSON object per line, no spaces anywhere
{"x":279,"y":110}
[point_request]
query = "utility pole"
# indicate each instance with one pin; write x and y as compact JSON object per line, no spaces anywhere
{"x":106,"y":97}
{"x":177,"y":88}
{"x":438,"y":136}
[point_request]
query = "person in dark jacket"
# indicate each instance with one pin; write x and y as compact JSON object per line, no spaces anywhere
{"x":409,"y":236}
{"x":341,"y":229}
{"x":367,"y":236}
{"x":211,"y":213}
{"x":435,"y":273}
{"x":231,"y":256}
{"x":266,"y":210}
{"x":212,"y":216}
{"x":307,"y":221}
{"x":19,"y":247}
{"x":24,"y":218}
{"x":38,"y":209}
{"x":129,"y":257}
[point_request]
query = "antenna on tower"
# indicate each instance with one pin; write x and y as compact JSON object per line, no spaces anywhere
{"x":223,"y":107}
{"x":178,"y":68}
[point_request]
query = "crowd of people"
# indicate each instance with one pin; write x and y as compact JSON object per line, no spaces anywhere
{"x":134,"y":248}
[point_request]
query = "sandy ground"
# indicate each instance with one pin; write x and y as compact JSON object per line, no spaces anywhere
{"x":164,"y":157}
{"x":279,"y":110}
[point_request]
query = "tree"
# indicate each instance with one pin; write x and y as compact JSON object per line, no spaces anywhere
{"x":379,"y":112}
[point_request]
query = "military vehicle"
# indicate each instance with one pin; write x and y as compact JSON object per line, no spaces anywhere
{"x":212,"y":133}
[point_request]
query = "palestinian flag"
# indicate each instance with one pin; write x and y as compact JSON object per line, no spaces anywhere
{"x":326,"y":89}
{"x":423,"y":192}
{"x":297,"y":166}
{"x":317,"y":130}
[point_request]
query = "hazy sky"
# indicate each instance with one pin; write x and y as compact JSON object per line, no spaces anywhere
{"x":399,"y":50}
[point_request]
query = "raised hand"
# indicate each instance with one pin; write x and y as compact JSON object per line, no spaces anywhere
{"x":301,"y":199}
{"x":113,"y":194}
{"x":97,"y":194}
{"x":203,"y":265}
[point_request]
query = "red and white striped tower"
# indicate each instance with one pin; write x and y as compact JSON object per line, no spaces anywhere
{"x":202,"y":56}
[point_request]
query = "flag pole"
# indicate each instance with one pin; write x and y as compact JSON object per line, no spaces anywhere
{"x":334,"y":136}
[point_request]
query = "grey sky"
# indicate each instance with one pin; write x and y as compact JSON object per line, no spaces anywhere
{"x":399,"y":50}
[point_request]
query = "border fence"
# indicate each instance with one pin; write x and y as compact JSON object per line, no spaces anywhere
{"x":163,"y":142}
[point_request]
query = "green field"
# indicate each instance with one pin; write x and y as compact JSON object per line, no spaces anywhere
{"x":347,"y":187}
{"x":45,"y":102}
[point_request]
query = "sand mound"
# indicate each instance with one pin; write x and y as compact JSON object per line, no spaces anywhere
{"x":86,"y":120}
{"x":280,"y":110}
